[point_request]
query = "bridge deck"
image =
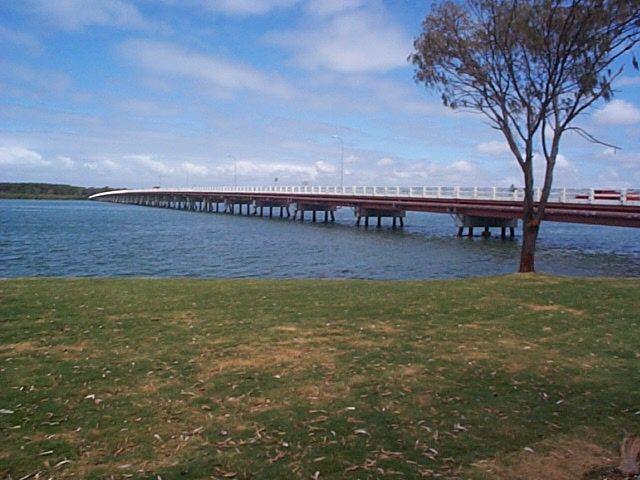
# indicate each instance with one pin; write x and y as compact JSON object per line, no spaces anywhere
{"x":589,"y":206}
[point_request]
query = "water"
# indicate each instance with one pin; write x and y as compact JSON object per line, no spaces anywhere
{"x":82,"y":238}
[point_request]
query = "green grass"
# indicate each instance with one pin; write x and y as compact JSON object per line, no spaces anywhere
{"x":283,"y":379}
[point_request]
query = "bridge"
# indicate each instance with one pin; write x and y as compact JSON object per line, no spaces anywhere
{"x":471,"y":207}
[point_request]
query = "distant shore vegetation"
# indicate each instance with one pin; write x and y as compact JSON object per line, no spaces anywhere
{"x":48,"y":191}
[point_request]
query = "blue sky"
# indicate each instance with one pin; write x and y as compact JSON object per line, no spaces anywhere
{"x":183,"y":92}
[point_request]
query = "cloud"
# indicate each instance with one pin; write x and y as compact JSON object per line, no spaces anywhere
{"x":258,"y":169}
{"x":77,"y":14}
{"x":65,"y":162}
{"x":461,"y":166}
{"x":20,"y":39}
{"x":617,"y":112}
{"x":493,"y":148}
{"x":246,"y":7}
{"x":627,"y":81}
{"x":105,"y":164}
{"x":386,"y":162}
{"x":324,"y":167}
{"x":222,"y":74}
{"x":20,"y":156}
{"x":355,"y":41}
{"x":563,"y":162}
{"x":194,"y":168}
{"x":332,"y":7}
{"x":456,"y":173}
{"x":150,"y":164}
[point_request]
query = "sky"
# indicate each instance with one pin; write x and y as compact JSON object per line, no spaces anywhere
{"x":200,"y":93}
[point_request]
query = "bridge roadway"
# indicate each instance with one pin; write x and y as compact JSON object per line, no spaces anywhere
{"x":471,"y":206}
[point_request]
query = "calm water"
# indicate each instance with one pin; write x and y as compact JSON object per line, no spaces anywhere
{"x":66,"y":238}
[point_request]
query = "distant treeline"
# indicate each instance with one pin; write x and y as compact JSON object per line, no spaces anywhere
{"x":48,"y":191}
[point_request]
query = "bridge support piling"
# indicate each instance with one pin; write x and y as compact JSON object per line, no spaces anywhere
{"x":315,"y":208}
{"x":486,"y":223}
{"x":395,"y":214}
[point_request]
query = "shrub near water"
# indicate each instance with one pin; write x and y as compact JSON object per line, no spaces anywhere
{"x":483,"y":378}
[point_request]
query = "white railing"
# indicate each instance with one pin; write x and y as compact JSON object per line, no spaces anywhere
{"x":595,"y":196}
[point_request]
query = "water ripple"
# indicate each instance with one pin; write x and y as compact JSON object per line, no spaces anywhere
{"x":53,"y":238}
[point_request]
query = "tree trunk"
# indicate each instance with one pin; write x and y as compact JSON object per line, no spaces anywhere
{"x":530,"y":231}
{"x":530,"y":228}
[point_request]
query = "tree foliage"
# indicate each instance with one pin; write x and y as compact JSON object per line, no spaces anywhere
{"x":47,"y":190}
{"x":531,"y":67}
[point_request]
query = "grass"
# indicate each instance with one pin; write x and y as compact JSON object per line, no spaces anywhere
{"x":510,"y":377}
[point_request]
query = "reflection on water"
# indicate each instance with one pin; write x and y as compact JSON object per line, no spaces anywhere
{"x":69,"y":238}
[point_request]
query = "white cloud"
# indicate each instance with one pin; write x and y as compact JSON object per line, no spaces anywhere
{"x":102,"y":166}
{"x":456,"y":173}
{"x":493,"y":148}
{"x":351,"y":159}
{"x":20,"y":156}
{"x":324,"y":167}
{"x":194,"y":168}
{"x":246,"y":7}
{"x":358,"y":41}
{"x":77,"y":14}
{"x":226,"y":76}
{"x":251,"y":168}
{"x":386,"y":162}
{"x":20,"y":39}
{"x":147,"y":162}
{"x":461,"y":166}
{"x":563,"y":162}
{"x":618,"y":112}
{"x":65,"y":162}
{"x":627,"y":81}
{"x":332,"y":7}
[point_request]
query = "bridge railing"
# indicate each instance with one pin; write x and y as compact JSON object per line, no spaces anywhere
{"x":602,"y":196}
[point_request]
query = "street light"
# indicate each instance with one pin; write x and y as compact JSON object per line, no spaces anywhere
{"x":341,"y":159}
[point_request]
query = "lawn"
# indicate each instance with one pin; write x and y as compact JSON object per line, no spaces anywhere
{"x":522,"y":376}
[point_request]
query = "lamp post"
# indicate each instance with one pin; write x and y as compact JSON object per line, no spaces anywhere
{"x":341,"y":159}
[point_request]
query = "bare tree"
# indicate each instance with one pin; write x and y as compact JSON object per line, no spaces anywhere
{"x":531,"y":67}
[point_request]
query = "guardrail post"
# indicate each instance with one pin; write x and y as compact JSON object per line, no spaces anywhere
{"x":439,"y":192}
{"x":456,"y":192}
{"x":623,"y":196}
{"x":592,"y":195}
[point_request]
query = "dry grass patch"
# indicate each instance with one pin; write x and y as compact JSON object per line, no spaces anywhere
{"x":555,"y":308}
{"x":563,"y":459}
{"x":74,"y":350}
{"x":267,"y":356}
